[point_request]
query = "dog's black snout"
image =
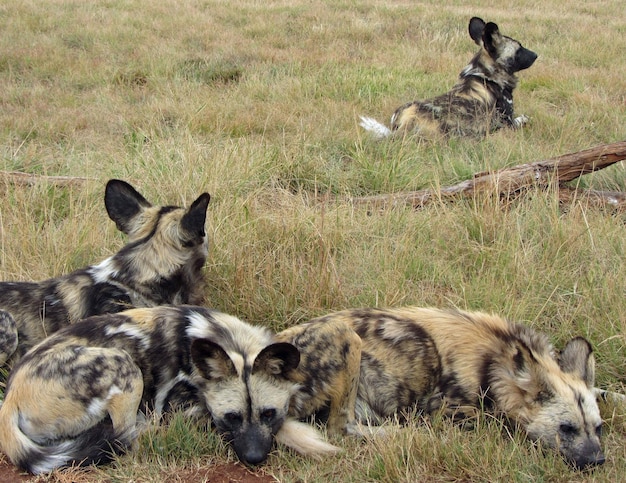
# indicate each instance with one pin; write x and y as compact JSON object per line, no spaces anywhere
{"x":524,"y":58}
{"x":589,"y":461}
{"x":254,"y":457}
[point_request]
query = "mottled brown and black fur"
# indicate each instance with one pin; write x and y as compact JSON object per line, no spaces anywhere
{"x":463,"y":362}
{"x":74,"y":398}
{"x":479,"y":103}
{"x":162,"y":263}
{"x":330,"y":356}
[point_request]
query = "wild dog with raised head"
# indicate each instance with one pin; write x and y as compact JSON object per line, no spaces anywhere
{"x":74,"y":398}
{"x":458,"y":362}
{"x":162,"y":263}
{"x":479,"y":103}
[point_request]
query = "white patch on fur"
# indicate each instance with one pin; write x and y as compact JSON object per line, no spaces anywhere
{"x":519,"y":121}
{"x":250,"y":339}
{"x":98,"y":406}
{"x":393,"y":331}
{"x":304,"y":439}
{"x":509,"y":50}
{"x":199,"y":327}
{"x":57,"y":455}
{"x":131,"y":330}
{"x":379,"y":130}
{"x":59,"y":458}
{"x":104,"y":271}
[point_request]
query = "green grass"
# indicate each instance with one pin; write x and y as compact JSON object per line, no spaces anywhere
{"x":258,"y":103}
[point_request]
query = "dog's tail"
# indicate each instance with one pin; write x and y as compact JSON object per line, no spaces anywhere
{"x":304,"y":439}
{"x":379,"y":130}
{"x":98,"y":445}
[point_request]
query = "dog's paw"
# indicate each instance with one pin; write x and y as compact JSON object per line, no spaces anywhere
{"x":520,"y":121}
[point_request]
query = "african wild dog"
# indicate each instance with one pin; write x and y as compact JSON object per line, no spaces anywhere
{"x":74,"y":398}
{"x":162,"y":263}
{"x":457,"y":362}
{"x":480,"y":102}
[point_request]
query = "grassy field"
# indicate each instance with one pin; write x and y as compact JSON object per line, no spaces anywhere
{"x":258,"y":103}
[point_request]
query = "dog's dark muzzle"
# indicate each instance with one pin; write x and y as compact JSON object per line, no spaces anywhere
{"x":524,"y":58}
{"x":252,"y":445}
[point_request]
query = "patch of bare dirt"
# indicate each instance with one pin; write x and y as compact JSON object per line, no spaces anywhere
{"x":10,"y":474}
{"x":224,"y":473}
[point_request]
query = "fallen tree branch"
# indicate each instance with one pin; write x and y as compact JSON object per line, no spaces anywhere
{"x":509,"y":181}
{"x":27,"y":179}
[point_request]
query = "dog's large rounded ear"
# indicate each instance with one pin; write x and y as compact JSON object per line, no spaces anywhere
{"x":577,"y":358}
{"x":194,"y":219}
{"x":123,"y":203}
{"x":491,"y":39}
{"x":277,"y":359}
{"x":211,"y":360}
{"x":476,"y":29}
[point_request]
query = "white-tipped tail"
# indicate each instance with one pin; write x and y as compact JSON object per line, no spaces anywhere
{"x":97,"y":445}
{"x":379,"y":130}
{"x":305,"y":439}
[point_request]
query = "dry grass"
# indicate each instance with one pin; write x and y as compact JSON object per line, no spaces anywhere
{"x":257,"y":103}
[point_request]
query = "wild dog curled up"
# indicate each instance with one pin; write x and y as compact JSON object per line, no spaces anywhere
{"x":74,"y":398}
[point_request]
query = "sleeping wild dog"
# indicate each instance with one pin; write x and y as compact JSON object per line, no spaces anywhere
{"x":74,"y":398}
{"x":162,"y":263}
{"x":458,"y":362}
{"x":479,"y":103}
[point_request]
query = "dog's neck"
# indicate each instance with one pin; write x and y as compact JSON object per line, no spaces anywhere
{"x":503,"y":94}
{"x":111,"y":272}
{"x":505,"y":85}
{"x":137,"y":299}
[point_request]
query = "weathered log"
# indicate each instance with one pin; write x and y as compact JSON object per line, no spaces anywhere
{"x":509,"y":181}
